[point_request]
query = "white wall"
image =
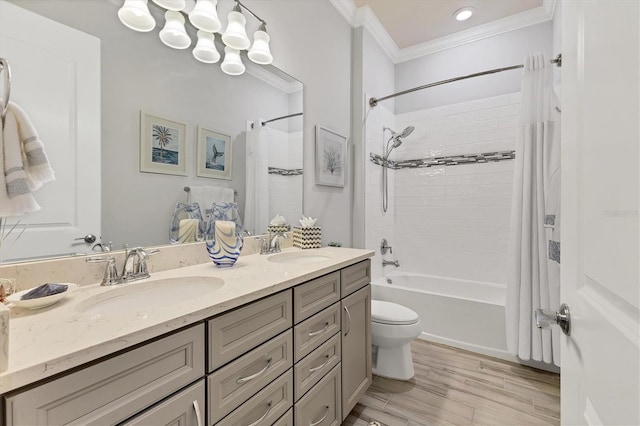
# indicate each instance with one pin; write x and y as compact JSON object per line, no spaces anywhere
{"x":494,"y":52}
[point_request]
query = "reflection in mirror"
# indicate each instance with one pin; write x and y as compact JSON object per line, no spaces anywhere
{"x":84,"y":79}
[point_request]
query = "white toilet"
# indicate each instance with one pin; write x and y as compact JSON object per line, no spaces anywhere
{"x":393,"y":327}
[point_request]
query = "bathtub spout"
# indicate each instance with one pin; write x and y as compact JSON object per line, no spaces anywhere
{"x":389,"y":262}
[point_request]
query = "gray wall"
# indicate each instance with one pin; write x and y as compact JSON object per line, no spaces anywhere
{"x":494,"y":52}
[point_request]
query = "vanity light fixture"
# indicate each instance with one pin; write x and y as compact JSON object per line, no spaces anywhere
{"x":135,"y":14}
{"x":175,"y":5}
{"x":464,"y":13}
{"x":260,"y":53}
{"x":235,"y":35}
{"x":232,"y":63}
{"x":203,"y":16}
{"x":174,"y":34}
{"x":205,"y":50}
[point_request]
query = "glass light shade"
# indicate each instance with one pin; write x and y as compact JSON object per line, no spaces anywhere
{"x":173,"y":34}
{"x":174,"y":5}
{"x":232,"y":63}
{"x":235,"y":35}
{"x":205,"y":17}
{"x":205,"y":50}
{"x":135,"y":14}
{"x":260,"y":53}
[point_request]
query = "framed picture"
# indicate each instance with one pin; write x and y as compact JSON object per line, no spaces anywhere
{"x":214,"y":154}
{"x":331,"y":157}
{"x":162,"y":145}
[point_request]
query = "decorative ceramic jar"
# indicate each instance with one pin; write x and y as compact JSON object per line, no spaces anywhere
{"x":224,"y":234}
{"x":187,"y":225}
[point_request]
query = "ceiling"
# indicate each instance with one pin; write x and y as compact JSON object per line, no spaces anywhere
{"x":414,"y":22}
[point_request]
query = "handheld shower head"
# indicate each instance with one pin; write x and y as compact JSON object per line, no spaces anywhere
{"x":406,"y":132}
{"x":397,"y":138}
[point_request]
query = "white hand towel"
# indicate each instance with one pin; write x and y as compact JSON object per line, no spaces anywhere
{"x":207,"y":195}
{"x":24,"y":164}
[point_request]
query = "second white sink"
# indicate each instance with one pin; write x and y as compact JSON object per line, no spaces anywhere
{"x":300,"y":257}
{"x":140,"y":298}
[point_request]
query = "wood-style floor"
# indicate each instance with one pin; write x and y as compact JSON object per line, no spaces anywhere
{"x":456,"y":387}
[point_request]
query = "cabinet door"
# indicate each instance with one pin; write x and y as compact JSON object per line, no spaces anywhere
{"x":356,"y":347}
{"x":186,"y":408}
{"x":321,"y":406}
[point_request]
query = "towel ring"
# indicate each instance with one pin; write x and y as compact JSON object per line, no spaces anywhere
{"x":4,"y":66}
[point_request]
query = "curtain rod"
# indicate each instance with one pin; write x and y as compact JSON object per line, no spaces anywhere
{"x":374,"y":101}
{"x":280,"y":118}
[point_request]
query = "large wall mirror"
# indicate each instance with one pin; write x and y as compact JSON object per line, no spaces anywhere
{"x":85,"y":79}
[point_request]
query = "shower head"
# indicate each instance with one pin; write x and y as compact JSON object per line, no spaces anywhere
{"x":397,"y":138}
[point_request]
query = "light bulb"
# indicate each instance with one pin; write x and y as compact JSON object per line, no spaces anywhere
{"x":135,"y":14}
{"x":232,"y":63}
{"x":173,"y":34}
{"x":205,"y":50}
{"x":260,"y":53}
{"x":235,"y":35}
{"x":205,"y":17}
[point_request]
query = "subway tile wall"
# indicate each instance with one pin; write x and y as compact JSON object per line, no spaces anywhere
{"x":449,"y":221}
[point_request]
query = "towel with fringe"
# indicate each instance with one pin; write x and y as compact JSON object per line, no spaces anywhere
{"x":25,"y":166}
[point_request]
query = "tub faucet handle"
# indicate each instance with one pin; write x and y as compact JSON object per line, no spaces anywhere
{"x":384,"y":246}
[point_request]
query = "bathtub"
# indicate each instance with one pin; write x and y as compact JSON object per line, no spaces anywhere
{"x":460,"y":313}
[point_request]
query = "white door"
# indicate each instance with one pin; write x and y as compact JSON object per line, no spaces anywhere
{"x":600,"y":232}
{"x":56,"y":80}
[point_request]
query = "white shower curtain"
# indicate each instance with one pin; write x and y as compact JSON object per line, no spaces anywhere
{"x":533,"y":279}
{"x":256,"y":209}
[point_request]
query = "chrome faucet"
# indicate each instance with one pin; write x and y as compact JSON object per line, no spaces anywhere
{"x":134,"y":268}
{"x":271,"y":243}
{"x":390,"y":262}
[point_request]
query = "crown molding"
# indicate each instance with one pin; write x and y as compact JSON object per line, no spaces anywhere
{"x":364,"y":16}
{"x":262,"y":73}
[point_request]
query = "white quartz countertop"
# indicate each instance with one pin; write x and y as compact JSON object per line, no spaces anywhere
{"x":51,"y":340}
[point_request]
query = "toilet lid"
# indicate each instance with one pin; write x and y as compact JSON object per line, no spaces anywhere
{"x":392,"y":313}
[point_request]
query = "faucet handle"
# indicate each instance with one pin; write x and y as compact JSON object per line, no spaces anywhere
{"x":110,"y":273}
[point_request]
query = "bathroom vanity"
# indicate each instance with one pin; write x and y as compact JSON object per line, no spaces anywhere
{"x":280,"y":342}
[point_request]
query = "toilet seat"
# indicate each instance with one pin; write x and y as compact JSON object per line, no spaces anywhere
{"x":391,"y":313}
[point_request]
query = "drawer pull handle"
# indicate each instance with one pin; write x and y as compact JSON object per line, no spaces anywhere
{"x":315,"y":333}
{"x":348,"y":322}
{"x":242,"y":380}
{"x":314,"y":369}
{"x":326,"y":408}
{"x":264,"y":416}
{"x":196,"y":407}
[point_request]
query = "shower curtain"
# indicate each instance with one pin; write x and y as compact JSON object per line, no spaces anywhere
{"x":533,"y":276}
{"x":256,"y":213}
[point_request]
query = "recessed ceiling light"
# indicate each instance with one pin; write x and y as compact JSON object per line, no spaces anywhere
{"x":463,"y":14}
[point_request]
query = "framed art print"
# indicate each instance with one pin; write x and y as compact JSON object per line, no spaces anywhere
{"x":331,"y":153}
{"x":214,"y":154}
{"x":162,"y":145}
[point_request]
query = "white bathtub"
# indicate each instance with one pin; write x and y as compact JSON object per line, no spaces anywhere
{"x":460,"y":313}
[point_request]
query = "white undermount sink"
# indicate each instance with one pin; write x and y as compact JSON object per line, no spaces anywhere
{"x":300,"y":257}
{"x":140,"y":298}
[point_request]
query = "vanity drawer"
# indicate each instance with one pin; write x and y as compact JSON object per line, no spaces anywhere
{"x":266,"y":406}
{"x":286,"y":420}
{"x":236,"y":332}
{"x":314,"y":366}
{"x":184,"y":408}
{"x":312,"y":332}
{"x":321,"y":405}
{"x":354,"y":277}
{"x":236,"y":382}
{"x":312,"y":297}
{"x":115,"y":389}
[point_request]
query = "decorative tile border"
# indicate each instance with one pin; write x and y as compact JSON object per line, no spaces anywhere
{"x":284,"y":172}
{"x":485,"y":157}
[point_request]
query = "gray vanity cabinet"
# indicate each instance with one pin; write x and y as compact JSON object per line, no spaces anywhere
{"x":356,"y":347}
{"x":113,"y":390}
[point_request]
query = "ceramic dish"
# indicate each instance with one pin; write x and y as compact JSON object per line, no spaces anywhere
{"x":40,"y":302}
